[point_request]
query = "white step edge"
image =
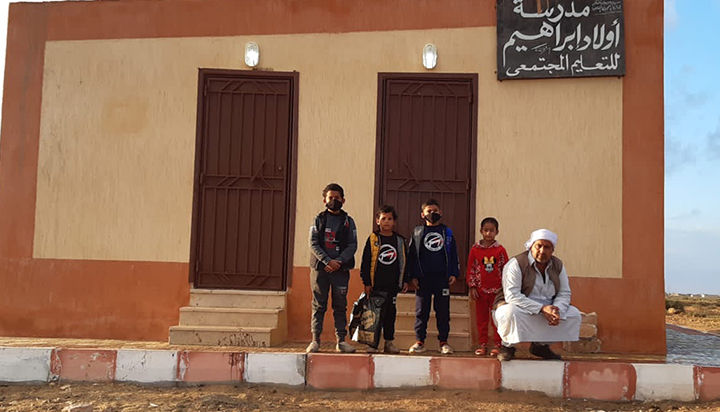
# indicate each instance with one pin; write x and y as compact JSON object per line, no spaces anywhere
{"x":432,"y":314}
{"x":218,"y":309}
{"x":412,"y":296}
{"x":220,"y":329}
{"x":237,"y":292}
{"x":451,"y":334}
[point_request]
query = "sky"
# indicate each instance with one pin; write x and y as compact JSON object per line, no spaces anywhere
{"x":692,"y":146}
{"x":692,"y":143}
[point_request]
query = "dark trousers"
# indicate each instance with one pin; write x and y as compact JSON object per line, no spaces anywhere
{"x":389,"y":314}
{"x":429,"y":287}
{"x":322,"y":284}
{"x":389,"y":320}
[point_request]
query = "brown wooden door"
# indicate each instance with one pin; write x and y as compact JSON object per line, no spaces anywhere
{"x":426,"y":149}
{"x":243,"y":208}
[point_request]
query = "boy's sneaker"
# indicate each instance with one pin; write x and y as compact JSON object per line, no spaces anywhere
{"x":391,"y":348}
{"x":344,"y":347}
{"x":506,"y":354}
{"x":370,"y":349}
{"x":543,"y":351}
{"x":313,"y":347}
{"x":445,"y":349}
{"x":418,"y":347}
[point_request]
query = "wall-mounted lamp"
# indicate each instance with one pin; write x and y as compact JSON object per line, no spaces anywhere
{"x":252,"y":54}
{"x":429,"y":56}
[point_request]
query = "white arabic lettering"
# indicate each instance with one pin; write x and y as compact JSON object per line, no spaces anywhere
{"x":561,"y":41}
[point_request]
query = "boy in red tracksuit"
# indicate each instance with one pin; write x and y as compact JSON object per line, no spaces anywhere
{"x":484,"y":277}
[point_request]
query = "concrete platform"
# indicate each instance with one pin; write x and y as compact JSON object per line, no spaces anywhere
{"x":598,"y":377}
{"x":231,"y":318}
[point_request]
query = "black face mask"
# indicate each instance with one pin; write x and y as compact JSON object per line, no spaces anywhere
{"x":433,"y":217}
{"x":334,"y":205}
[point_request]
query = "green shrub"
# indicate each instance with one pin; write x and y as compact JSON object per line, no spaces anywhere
{"x":676,"y":304}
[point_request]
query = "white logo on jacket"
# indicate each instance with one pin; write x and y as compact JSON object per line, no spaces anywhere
{"x":433,"y":241}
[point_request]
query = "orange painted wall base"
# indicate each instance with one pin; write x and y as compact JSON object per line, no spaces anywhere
{"x":91,"y":299}
{"x":141,"y":300}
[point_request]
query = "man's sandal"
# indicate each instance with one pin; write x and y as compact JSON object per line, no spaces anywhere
{"x":481,"y":351}
{"x":494,"y":352}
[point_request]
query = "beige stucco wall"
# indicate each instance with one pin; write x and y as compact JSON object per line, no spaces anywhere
{"x":555,"y":161}
{"x":118,"y":131}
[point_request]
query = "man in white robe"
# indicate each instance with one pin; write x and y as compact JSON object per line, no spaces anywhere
{"x":534,"y":304}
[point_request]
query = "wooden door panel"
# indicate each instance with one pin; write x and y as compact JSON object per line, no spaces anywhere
{"x":426,"y":150}
{"x":241,"y":224}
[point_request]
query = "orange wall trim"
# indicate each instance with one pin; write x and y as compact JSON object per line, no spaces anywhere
{"x":21,"y":128}
{"x":191,"y":18}
{"x":141,"y":300}
{"x":91,"y":299}
{"x":639,"y":300}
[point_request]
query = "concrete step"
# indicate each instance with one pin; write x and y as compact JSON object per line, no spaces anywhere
{"x":460,"y":342}
{"x":237,"y":317}
{"x":458,"y":322}
{"x":458,"y":304}
{"x":226,"y":336}
{"x":248,"y":299}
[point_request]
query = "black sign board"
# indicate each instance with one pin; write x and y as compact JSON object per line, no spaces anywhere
{"x":560,"y":38}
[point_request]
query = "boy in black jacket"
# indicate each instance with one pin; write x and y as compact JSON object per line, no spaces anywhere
{"x":333,"y":243}
{"x":384,"y":268}
{"x":434,"y":266}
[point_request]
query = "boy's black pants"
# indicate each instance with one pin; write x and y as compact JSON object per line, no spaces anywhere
{"x":389,"y":315}
{"x":432,"y":285}
{"x":389,"y":321}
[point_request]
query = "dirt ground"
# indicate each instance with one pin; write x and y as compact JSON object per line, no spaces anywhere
{"x":695,"y":313}
{"x":131,"y":398}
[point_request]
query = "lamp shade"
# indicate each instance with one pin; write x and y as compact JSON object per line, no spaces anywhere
{"x":429,"y":56}
{"x":252,"y":54}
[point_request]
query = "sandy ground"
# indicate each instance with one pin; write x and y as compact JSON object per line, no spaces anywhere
{"x":697,"y":313}
{"x":130,"y":398}
{"x":687,"y":320}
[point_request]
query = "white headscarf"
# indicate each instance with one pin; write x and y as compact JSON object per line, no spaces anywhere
{"x":541,"y":234}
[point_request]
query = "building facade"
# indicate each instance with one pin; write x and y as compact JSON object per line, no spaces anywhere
{"x":140,"y":157}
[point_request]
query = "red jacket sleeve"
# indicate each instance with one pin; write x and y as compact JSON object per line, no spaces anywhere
{"x":473,"y":277}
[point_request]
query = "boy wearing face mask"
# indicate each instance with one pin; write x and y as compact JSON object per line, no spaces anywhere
{"x":333,"y":242}
{"x":434,"y":266}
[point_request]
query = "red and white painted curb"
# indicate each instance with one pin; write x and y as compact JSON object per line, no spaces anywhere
{"x":610,"y":381}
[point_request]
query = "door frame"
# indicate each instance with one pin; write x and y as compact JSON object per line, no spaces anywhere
{"x":379,"y":139}
{"x":290,"y":184}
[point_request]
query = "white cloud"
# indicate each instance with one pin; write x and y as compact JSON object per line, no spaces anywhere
{"x":713,"y":144}
{"x":678,"y":155}
{"x":695,"y":212}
